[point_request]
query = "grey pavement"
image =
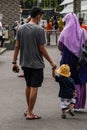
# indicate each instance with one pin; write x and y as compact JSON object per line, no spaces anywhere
{"x":13,"y":103}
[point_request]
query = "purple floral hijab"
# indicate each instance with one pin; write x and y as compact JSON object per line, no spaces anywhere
{"x":71,"y":36}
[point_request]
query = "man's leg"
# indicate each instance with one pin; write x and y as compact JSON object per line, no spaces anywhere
{"x":27,"y":92}
{"x":33,"y":79}
{"x":31,"y":100}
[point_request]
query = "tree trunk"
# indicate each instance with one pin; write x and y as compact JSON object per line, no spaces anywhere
{"x":77,"y":7}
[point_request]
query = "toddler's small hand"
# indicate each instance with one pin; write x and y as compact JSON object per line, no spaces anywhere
{"x":75,"y":94}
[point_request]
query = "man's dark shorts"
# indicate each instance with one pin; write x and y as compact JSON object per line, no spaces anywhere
{"x":33,"y":77}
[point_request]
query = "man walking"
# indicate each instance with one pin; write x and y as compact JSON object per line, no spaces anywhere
{"x":30,"y":41}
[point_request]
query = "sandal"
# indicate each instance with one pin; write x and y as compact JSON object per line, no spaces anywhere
{"x":33,"y":117}
{"x":63,"y":116}
{"x":26,"y":112}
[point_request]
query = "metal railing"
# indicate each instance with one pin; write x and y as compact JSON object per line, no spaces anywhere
{"x":51,"y":37}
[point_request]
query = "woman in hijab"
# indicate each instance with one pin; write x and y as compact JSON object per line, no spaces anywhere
{"x":70,"y":44}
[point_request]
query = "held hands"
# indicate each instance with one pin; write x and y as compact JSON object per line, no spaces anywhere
{"x":53,"y":69}
{"x":53,"y":65}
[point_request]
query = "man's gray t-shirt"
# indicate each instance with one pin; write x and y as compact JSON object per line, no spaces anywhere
{"x":31,"y":36}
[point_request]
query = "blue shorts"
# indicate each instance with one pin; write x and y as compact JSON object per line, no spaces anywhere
{"x":33,"y":77}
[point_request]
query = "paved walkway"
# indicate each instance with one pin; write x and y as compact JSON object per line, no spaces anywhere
{"x":13,"y":105}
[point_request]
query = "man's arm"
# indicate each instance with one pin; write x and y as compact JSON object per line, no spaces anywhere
{"x":46,"y":55}
{"x":16,"y":52}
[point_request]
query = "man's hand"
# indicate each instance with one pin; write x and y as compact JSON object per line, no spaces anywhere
{"x":15,"y":68}
{"x":53,"y":65}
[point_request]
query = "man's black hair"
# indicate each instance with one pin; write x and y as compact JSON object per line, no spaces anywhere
{"x":36,"y":11}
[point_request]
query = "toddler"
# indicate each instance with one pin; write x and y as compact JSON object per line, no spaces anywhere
{"x":67,"y":91}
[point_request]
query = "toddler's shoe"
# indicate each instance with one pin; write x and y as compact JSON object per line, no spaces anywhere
{"x":71,"y":113}
{"x":76,"y":110}
{"x":63,"y":116}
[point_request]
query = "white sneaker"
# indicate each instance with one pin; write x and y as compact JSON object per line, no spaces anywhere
{"x":76,"y":110}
